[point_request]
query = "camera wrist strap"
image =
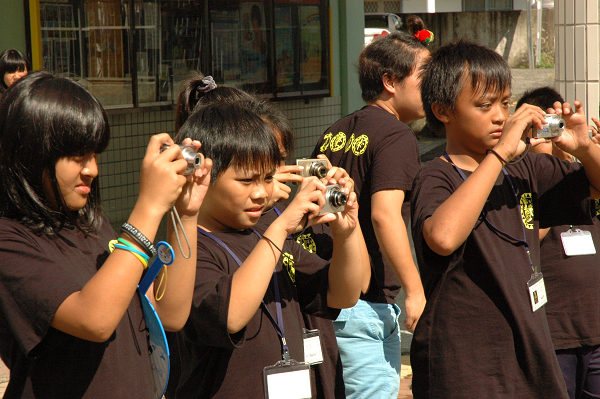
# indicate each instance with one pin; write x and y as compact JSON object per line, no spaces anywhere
{"x":278,"y":324}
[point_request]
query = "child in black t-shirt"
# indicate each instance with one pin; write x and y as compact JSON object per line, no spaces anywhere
{"x":476,"y":212}
{"x":234,"y":331}
{"x":572,"y":281}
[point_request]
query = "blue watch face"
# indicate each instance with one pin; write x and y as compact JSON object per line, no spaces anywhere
{"x":165,"y":253}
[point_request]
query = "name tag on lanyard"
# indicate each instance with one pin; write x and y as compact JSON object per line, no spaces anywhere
{"x":577,"y":242}
{"x":537,"y":291}
{"x":287,"y":380}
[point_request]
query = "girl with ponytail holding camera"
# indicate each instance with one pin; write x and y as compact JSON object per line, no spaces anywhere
{"x":71,"y":323}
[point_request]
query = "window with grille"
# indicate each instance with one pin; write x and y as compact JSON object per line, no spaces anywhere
{"x":371,"y":6}
{"x":137,"y":52}
{"x":487,"y":5}
{"x":392,"y":6}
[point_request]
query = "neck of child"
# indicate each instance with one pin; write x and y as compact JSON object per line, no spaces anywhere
{"x":385,"y":105}
{"x":212,"y":225}
{"x":464,"y":158}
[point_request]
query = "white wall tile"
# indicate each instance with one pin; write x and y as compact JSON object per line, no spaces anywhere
{"x":580,"y":52}
{"x":569,"y":53}
{"x":569,"y":12}
{"x":593,"y":101}
{"x":580,"y":11}
{"x":593,"y":52}
{"x":592,"y":12}
{"x":569,"y":92}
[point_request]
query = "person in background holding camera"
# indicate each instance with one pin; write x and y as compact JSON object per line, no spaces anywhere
{"x":71,"y":322}
{"x":475,"y":213}
{"x":252,"y":285}
{"x":569,"y":260}
{"x":13,"y":66}
{"x":380,"y":153}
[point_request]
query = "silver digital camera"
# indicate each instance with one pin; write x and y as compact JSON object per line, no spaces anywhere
{"x":193,"y":158}
{"x":313,"y":167}
{"x":335,"y":200}
{"x":553,"y":127}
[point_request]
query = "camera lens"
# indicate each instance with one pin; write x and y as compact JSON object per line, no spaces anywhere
{"x":337,"y":199}
{"x":317,"y":169}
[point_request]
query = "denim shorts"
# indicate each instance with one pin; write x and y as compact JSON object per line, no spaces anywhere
{"x":368,"y":337}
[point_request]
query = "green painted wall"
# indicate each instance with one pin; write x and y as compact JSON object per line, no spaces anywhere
{"x":351,"y":26}
{"x":12,"y":25}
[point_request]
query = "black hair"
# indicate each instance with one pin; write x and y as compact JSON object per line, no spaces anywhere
{"x":194,"y":93}
{"x":276,"y":120}
{"x":11,"y":61}
{"x":393,"y":55}
{"x":445,"y":75}
{"x":232,"y":135}
{"x":44,"y":118}
{"x":543,"y":97}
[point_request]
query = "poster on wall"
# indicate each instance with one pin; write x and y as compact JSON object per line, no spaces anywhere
{"x":284,"y":49}
{"x":310,"y":61}
{"x":253,"y":48}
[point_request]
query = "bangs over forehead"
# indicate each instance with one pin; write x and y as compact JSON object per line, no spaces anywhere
{"x":487,"y":79}
{"x":232,"y":135}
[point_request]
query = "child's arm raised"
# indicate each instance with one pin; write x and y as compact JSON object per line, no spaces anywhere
{"x":350,"y":261}
{"x":576,"y":141}
{"x":251,"y":281}
{"x":177,"y":290}
{"x":94,"y":312}
{"x":450,"y":225}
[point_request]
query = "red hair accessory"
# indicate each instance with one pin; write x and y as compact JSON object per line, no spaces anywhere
{"x":425,"y":36}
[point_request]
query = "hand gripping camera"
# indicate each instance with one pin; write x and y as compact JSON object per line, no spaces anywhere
{"x":193,"y":158}
{"x":553,"y":127}
{"x":335,"y":200}
{"x":313,"y":167}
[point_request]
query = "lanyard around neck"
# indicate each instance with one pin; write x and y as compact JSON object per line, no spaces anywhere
{"x":278,"y":324}
{"x":490,"y":224}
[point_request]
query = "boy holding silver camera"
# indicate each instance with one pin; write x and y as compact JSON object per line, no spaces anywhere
{"x":476,"y":212}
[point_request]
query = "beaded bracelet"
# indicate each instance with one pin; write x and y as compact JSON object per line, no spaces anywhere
{"x":138,"y":237}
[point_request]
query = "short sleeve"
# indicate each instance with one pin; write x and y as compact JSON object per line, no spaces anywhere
{"x":395,"y":161}
{"x":212,"y":293}
{"x":433,"y":185}
{"x":34,"y":282}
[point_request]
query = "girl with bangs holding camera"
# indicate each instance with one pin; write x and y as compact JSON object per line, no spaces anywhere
{"x":71,"y":322}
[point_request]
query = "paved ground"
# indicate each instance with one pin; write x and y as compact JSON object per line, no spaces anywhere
{"x":523,"y":80}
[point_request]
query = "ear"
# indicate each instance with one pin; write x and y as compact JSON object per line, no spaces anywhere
{"x":389,"y":84}
{"x":441,"y":112}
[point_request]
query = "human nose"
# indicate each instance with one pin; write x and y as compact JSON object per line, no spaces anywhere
{"x":260,"y":191}
{"x":500,"y":114}
{"x":91,"y":167}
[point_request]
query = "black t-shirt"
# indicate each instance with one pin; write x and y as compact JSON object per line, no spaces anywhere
{"x":36,"y":275}
{"x":329,"y":379}
{"x":217,"y":364}
{"x":478,"y":336}
{"x":380,"y":153}
{"x":573,"y":288}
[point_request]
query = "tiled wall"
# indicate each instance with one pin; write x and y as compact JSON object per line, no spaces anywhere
{"x":131,"y":130}
{"x":577,"y":53}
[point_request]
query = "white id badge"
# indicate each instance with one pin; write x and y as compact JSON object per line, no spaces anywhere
{"x":313,"y":354}
{"x":287,"y":380}
{"x":537,"y":291}
{"x":578,"y":242}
